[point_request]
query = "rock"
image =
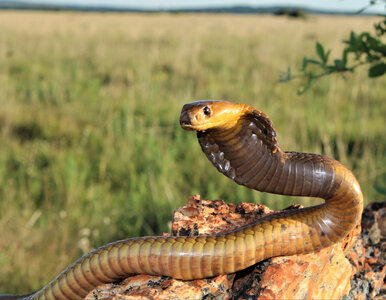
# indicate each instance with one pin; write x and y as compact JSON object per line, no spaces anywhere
{"x":368,"y":255}
{"x":160,"y":287}
{"x":307,"y":276}
{"x":325,"y":274}
{"x":211,"y":217}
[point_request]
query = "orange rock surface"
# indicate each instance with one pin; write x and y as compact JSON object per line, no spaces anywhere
{"x":158,"y":287}
{"x":326,"y":274}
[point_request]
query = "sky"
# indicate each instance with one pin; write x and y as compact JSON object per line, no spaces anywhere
{"x":338,"y":5}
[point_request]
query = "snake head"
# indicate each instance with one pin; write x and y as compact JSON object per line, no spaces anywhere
{"x":210,"y":114}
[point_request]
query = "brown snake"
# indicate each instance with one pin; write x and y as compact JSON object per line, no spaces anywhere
{"x":241,"y":143}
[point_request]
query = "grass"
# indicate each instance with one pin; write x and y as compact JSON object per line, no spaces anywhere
{"x":91,"y":149}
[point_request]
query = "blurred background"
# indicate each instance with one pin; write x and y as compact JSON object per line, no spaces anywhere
{"x":91,"y":150}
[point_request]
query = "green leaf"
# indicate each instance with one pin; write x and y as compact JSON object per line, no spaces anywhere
{"x":353,"y":39}
{"x":339,"y":64}
{"x":313,"y":61}
{"x":304,"y":63}
{"x":377,"y":70}
{"x":376,"y":45}
{"x":320,"y":51}
{"x":344,"y":56}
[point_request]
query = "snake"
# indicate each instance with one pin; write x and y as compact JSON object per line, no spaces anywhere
{"x":241,"y":143}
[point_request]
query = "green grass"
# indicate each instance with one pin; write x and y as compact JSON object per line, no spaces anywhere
{"x":90,"y":146}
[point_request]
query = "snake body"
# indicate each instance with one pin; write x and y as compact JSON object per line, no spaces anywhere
{"x":241,"y":143}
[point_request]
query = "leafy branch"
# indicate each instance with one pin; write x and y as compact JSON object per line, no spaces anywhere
{"x":361,"y":49}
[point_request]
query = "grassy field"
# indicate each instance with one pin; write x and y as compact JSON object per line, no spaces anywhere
{"x":90,"y":146}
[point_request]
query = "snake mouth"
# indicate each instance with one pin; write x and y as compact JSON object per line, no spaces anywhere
{"x":188,"y":127}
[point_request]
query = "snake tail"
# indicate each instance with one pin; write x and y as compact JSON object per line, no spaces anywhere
{"x":241,"y":143}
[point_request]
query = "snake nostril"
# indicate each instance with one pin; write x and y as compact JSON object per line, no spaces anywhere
{"x":184,"y":119}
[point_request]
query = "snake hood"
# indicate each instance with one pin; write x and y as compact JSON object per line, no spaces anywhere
{"x":216,"y":117}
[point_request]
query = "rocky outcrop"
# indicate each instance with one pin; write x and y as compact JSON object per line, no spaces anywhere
{"x":353,"y":268}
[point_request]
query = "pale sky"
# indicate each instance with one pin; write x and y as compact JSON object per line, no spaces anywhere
{"x":339,"y":5}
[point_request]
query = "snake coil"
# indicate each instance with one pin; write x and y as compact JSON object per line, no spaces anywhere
{"x":241,"y":143}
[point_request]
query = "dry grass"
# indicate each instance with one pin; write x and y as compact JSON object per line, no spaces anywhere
{"x":91,"y":150}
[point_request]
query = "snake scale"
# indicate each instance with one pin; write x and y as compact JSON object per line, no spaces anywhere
{"x":241,"y":143}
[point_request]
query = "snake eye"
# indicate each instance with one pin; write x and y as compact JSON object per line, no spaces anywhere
{"x":206,"y":111}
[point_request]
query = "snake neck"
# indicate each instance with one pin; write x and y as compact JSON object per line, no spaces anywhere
{"x":249,"y":154}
